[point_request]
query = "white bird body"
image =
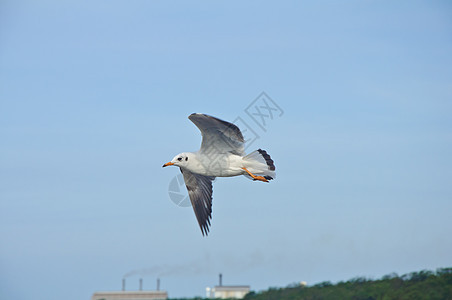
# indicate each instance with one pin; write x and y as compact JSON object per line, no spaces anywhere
{"x":227,"y":165}
{"x":222,"y":154}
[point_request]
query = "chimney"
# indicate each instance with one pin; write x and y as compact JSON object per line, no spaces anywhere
{"x":141,"y":284}
{"x":158,"y":284}
{"x":123,"y":284}
{"x":221,"y":279}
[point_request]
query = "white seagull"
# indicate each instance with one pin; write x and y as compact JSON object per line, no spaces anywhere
{"x":222,"y":154}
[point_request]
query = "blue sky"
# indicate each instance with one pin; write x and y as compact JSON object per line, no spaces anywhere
{"x":94,"y":98}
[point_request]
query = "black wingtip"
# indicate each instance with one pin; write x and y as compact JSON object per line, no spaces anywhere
{"x":205,"y":231}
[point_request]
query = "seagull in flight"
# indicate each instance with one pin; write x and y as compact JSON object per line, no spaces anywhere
{"x":222,"y":154}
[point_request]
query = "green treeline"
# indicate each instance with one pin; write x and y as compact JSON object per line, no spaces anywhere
{"x":417,"y":285}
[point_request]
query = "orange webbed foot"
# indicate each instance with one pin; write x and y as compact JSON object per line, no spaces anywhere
{"x":260,"y":178}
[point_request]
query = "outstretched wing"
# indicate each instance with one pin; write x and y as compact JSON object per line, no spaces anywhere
{"x":218,"y":136}
{"x":199,"y":189}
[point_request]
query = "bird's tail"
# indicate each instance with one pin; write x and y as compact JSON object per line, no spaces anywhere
{"x":260,"y":163}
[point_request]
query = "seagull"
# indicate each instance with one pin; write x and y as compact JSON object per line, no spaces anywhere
{"x":222,"y":154}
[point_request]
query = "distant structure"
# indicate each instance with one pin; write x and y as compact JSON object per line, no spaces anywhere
{"x":227,"y":291}
{"x":132,"y":295}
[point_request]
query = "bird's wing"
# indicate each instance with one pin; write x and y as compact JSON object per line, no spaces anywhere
{"x":199,"y":189}
{"x":218,"y":136}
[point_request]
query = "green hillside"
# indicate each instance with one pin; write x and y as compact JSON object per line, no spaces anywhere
{"x":417,"y":285}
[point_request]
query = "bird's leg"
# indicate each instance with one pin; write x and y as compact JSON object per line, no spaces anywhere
{"x":261,"y":178}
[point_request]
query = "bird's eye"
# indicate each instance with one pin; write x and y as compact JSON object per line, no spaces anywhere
{"x":179,"y":158}
{"x":186,"y":158}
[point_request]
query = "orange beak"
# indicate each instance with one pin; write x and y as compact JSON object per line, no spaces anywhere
{"x":168,"y":164}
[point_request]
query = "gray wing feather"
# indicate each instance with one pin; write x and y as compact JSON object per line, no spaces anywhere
{"x":199,"y":189}
{"x":218,"y":136}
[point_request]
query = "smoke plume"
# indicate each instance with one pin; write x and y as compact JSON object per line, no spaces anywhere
{"x":197,"y":267}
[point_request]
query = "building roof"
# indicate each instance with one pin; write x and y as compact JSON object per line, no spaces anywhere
{"x":231,"y":287}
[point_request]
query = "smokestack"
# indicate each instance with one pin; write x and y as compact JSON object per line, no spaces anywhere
{"x":123,"y":284}
{"x":221,"y":279}
{"x":158,"y":284}
{"x":141,"y":284}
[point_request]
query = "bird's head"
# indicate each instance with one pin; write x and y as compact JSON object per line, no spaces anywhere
{"x":179,"y":160}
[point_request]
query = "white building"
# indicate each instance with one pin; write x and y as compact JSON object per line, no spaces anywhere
{"x":228,"y":291}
